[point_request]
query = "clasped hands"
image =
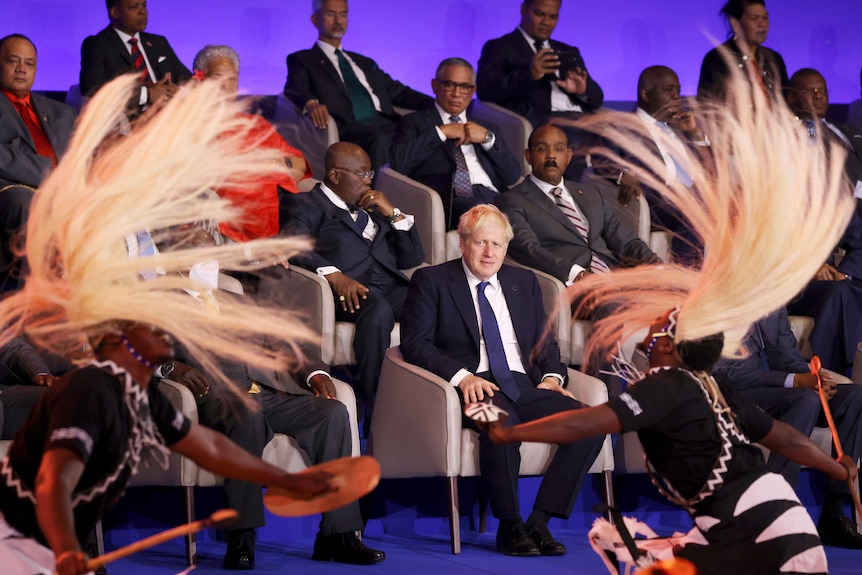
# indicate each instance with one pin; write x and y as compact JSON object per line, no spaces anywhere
{"x":475,"y":388}
{"x":461,"y":134}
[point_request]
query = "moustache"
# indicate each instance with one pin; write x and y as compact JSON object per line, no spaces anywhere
{"x":551,"y":164}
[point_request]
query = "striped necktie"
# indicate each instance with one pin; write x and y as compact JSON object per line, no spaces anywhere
{"x":140,"y":65}
{"x":461,"y":180}
{"x":597,"y":266}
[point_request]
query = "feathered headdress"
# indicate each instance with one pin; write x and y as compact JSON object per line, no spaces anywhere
{"x":768,"y":203}
{"x":107,"y":188}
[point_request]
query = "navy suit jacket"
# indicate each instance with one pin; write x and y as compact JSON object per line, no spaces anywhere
{"x":418,"y":153}
{"x":104,"y":57}
{"x":440,"y":331}
{"x":311,"y":75}
{"x":19,"y":162}
{"x":503,"y":77}
{"x":782,"y":354}
{"x":547,"y":240}
{"x":339,"y":243}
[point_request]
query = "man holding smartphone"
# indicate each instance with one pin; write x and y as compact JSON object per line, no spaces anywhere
{"x":544,"y":80}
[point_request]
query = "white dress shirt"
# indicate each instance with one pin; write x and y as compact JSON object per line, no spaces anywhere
{"x":329,"y":50}
{"x":478,"y":175}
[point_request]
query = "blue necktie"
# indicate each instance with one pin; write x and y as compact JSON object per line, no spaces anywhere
{"x":764,"y":358}
{"x":461,"y":179}
{"x":361,"y":217}
{"x":494,"y":346}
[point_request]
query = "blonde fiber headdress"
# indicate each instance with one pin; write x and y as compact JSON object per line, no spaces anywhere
{"x":768,"y":203}
{"x":108,"y":187}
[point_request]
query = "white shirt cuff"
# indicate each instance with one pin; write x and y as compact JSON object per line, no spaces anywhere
{"x":142,"y":99}
{"x":326,"y":270}
{"x":788,"y":381}
{"x":573,"y":273}
{"x":404,"y":225}
{"x":459,"y":377}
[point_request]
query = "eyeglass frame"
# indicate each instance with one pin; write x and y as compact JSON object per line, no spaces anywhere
{"x":544,"y":149}
{"x":462,"y":87}
{"x":369,"y":174}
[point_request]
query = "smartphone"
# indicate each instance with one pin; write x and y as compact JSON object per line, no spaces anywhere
{"x":569,"y":61}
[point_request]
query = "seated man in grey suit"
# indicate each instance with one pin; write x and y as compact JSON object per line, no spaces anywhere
{"x":124,"y":47}
{"x":34,"y":133}
{"x":327,"y":81}
{"x":362,"y":244}
{"x":479,"y":325}
{"x":440,"y":146}
{"x":563,"y":228}
{"x":24,"y":378}
{"x":776,"y":377}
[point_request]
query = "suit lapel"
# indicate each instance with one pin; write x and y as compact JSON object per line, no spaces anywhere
{"x":119,"y":46}
{"x":518,"y":311}
{"x":460,"y":290}
{"x":12,"y":112}
{"x":540,"y":199}
{"x":433,"y":119}
{"x":45,"y":122}
{"x":334,"y":211}
{"x":325,"y":64}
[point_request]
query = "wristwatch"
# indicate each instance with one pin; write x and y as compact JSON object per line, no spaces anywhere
{"x":396,"y":213}
{"x":489,"y":137}
{"x":167,"y":369}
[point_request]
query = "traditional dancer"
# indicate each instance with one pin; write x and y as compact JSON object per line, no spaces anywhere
{"x":756,"y":212}
{"x":111,"y":195}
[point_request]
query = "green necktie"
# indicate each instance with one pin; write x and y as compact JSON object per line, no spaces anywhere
{"x":360,"y":99}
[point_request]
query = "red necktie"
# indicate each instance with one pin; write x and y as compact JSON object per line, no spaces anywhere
{"x":140,"y":65}
{"x":43,"y":144}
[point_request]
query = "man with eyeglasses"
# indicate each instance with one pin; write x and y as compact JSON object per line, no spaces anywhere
{"x":362,"y":243}
{"x":834,"y":296}
{"x":443,"y":148}
{"x":328,"y":81}
{"x":544,"y":80}
{"x":565,"y":228}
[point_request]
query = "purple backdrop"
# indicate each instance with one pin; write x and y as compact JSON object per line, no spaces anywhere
{"x":408,"y":38}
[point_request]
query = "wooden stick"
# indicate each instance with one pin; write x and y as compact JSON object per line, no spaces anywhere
{"x":815,"y":370}
{"x":217,"y":519}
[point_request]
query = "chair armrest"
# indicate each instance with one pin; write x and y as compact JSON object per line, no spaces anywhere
{"x":345,"y":395}
{"x":180,"y":397}
{"x":421,"y":201}
{"x":416,"y":428}
{"x":586,"y":388}
{"x":307,"y":292}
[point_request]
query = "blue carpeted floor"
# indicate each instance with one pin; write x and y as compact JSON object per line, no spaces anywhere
{"x":407,"y":520}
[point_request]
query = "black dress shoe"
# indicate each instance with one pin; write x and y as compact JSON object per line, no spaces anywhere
{"x":541,"y":536}
{"x":516,"y":541}
{"x":240,"y":551}
{"x":839,"y":532}
{"x":345,"y":548}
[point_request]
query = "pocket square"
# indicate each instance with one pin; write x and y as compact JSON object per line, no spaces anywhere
{"x":162,"y":59}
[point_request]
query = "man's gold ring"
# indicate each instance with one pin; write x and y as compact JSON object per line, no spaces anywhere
{"x":341,"y":298}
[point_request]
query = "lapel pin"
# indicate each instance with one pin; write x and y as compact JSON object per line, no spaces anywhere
{"x":581,"y":192}
{"x":514,"y":288}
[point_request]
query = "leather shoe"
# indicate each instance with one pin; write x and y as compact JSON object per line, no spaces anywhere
{"x":345,"y":548}
{"x":839,"y":532}
{"x":240,"y":551}
{"x":541,"y":536}
{"x":516,"y":541}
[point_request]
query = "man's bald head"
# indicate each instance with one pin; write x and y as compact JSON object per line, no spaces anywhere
{"x":658,"y":92}
{"x":348,"y":171}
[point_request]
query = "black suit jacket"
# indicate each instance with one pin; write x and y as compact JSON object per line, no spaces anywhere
{"x":547,"y":240}
{"x":418,"y":152}
{"x":19,"y":162}
{"x":104,"y":57}
{"x":339,"y":243}
{"x":504,"y":78}
{"x":440,"y":331}
{"x":714,"y":73}
{"x":311,"y":75}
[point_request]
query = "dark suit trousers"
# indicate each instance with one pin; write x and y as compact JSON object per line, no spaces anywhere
{"x":375,"y":138}
{"x":374,"y":322}
{"x":837,"y":310}
{"x":320,"y":426}
{"x":16,"y":402}
{"x":14,"y":211}
{"x":499,"y":464}
{"x":797,"y":407}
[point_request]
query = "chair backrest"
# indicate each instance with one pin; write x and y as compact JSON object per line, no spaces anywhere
{"x":515,"y":129}
{"x":75,"y":99}
{"x":856,"y":374}
{"x":424,"y":204}
{"x":298,"y":130}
